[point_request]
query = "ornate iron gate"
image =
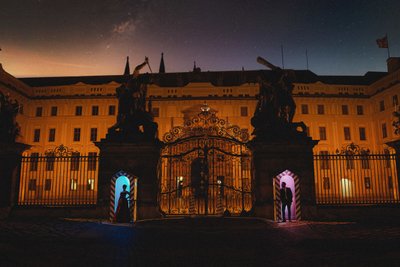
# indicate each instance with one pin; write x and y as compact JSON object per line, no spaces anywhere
{"x":206,"y":168}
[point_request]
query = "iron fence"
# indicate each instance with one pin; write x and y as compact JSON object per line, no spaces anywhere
{"x":58,"y":180}
{"x":356,"y":179}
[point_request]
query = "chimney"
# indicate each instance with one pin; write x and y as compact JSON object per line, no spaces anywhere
{"x":393,"y":64}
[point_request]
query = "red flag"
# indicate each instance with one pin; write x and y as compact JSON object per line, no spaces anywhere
{"x":383,"y":42}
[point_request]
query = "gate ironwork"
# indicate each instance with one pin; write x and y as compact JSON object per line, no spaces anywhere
{"x":205,"y":168}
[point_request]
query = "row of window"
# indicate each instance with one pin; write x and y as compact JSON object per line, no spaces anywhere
{"x":367,"y":183}
{"x":321,"y":109}
{"x":78,"y":111}
{"x":76,"y":135}
{"x":347,"y":133}
{"x":76,"y":161}
{"x":32,"y":184}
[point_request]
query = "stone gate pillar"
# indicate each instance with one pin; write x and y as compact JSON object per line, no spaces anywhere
{"x":138,"y":159}
{"x":272,"y":158}
{"x":10,"y":160}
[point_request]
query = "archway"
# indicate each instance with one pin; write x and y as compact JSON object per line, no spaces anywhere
{"x":292,"y":182}
{"x":117,"y":181}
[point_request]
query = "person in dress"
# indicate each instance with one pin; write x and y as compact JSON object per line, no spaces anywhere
{"x":123,"y":215}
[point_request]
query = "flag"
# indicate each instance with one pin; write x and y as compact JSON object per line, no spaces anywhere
{"x":382,"y":42}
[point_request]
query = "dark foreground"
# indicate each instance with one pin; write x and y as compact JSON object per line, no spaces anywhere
{"x":198,"y":242}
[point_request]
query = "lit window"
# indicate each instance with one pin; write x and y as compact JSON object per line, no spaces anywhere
{"x":74,"y":184}
{"x":90,"y":185}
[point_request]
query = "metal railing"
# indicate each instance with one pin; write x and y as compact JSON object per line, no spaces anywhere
{"x":50,"y":180}
{"x":356,"y":179}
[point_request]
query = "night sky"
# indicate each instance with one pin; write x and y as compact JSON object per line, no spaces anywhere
{"x":93,"y":37}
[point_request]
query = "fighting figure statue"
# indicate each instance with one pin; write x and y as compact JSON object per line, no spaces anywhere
{"x":273,"y":117}
{"x":9,"y":128}
{"x":134,"y":122}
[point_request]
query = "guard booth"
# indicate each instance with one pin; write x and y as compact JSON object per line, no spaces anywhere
{"x":205,"y":168}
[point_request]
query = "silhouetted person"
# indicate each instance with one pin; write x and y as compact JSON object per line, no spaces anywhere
{"x":286,"y":199}
{"x":123,"y":215}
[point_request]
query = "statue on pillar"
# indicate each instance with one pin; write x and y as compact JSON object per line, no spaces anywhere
{"x":273,"y":117}
{"x":9,"y":128}
{"x":134,"y":122}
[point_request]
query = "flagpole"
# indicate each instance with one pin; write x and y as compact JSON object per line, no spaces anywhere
{"x":283,"y":64}
{"x":307,"y":58}
{"x":388,"y":51}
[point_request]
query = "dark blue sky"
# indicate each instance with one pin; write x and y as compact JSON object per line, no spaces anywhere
{"x":93,"y":37}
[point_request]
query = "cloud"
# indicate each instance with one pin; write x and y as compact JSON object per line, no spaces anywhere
{"x":125,"y":27}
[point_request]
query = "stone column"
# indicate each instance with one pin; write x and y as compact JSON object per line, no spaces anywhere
{"x":271,"y":159}
{"x":10,"y":160}
{"x":138,"y":159}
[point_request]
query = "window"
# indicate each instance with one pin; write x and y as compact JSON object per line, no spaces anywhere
{"x":324,"y":160}
{"x":95,"y":110}
{"x":156,"y":112}
{"x":367,"y":182}
{"x":390,"y":182}
{"x":77,"y":134}
{"x":47,"y":185}
{"x":304,"y":109}
{"x":395,"y":101}
{"x":243,"y":111}
{"x":32,"y":185}
{"x":364,"y":161}
{"x":349,"y":162}
{"x":384,"y":130}
{"x":93,"y":134}
{"x":326,"y":183}
{"x":345,"y":110}
{"x":52,"y":135}
{"x":111,"y":110}
{"x":322,"y":133}
{"x":360,"y":110}
{"x":34,"y":160}
{"x":36,"y":135}
{"x":74,"y":184}
{"x":347,"y":135}
{"x":363,"y":136}
{"x":387,"y":158}
{"x":78,"y":111}
{"x":53,"y":111}
{"x":308,"y":130}
{"x":75,"y":158}
{"x":50,"y":162}
{"x":90,"y":185}
{"x":382,"y":105}
{"x":321,"y":109}
{"x":39,"y":112}
{"x":92,"y":160}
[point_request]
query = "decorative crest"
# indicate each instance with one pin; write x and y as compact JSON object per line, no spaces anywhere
{"x":60,"y":151}
{"x":206,"y":123}
{"x":352,"y":149}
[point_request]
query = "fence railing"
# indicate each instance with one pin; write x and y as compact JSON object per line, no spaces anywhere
{"x":50,"y":180}
{"x":356,"y":179}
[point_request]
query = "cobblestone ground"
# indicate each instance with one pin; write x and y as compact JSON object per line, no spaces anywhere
{"x":198,"y":242}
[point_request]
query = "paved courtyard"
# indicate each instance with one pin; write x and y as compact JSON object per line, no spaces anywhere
{"x":197,"y":242}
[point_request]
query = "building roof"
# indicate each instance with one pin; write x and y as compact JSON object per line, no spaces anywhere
{"x":217,"y":78}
